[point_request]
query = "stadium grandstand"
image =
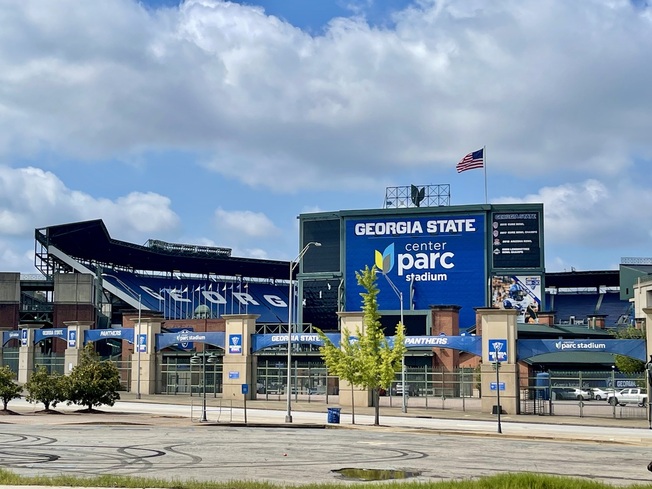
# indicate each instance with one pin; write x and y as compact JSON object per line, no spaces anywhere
{"x":177,"y":281}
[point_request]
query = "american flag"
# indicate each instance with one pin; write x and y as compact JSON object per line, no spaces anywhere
{"x":471,"y":161}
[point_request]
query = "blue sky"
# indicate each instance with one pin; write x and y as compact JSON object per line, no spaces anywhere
{"x":218,"y":123}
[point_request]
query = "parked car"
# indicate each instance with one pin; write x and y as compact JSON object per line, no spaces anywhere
{"x":412,"y":390}
{"x":601,"y":394}
{"x":570,"y":393}
{"x":628,"y":396}
{"x":583,"y":394}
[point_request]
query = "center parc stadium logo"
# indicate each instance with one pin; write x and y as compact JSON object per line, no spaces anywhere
{"x":416,"y":266}
{"x":385,"y":261}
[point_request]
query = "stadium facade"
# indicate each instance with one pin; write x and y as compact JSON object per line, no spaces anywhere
{"x":437,"y":265}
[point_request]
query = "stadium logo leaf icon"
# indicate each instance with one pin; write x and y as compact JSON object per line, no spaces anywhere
{"x":385,"y":261}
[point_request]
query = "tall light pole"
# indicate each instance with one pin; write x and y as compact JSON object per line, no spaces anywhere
{"x":136,"y":337}
{"x":404,"y":390}
{"x":293,"y":265}
{"x":211,"y":359}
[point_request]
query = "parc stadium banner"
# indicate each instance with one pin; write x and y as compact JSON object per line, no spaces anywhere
{"x":532,"y":348}
{"x":436,"y":260}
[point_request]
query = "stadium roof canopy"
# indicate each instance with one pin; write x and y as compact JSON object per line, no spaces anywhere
{"x":90,"y":242}
{"x":583,"y":280}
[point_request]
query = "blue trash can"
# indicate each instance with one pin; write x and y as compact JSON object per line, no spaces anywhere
{"x":334,"y":415}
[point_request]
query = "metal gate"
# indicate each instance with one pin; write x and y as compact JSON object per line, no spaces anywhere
{"x":180,"y":376}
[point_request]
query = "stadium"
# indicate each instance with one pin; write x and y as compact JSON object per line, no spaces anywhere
{"x":437,"y":265}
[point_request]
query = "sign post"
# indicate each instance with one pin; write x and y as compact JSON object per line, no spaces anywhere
{"x":245,"y":391}
{"x":499,"y":351}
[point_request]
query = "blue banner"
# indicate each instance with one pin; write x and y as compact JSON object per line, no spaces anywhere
{"x":10,"y":335}
{"x":43,"y":334}
{"x":262,"y":341}
{"x":532,"y":348}
{"x":94,"y":335}
{"x":164,"y":340}
{"x":471,"y":344}
{"x":430,"y":260}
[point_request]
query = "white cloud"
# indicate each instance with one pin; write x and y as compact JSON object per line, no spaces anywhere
{"x":267,"y":105}
{"x":593,"y":216}
{"x":14,"y":261}
{"x":109,"y":78}
{"x":238,"y":225}
{"x":32,"y":198}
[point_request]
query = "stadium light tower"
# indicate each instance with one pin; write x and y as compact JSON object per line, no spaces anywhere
{"x":136,"y":337}
{"x":293,"y":265}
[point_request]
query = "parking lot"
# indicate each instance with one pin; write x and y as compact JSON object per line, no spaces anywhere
{"x":160,"y":440}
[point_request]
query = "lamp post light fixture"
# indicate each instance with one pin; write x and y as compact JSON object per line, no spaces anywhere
{"x":203,"y":358}
{"x":136,"y":340}
{"x":293,"y":265}
{"x":403,"y":385}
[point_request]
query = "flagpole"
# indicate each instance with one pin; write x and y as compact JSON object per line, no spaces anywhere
{"x":484,"y":154}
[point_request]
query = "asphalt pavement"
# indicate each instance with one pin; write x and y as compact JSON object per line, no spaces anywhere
{"x":167,"y":435}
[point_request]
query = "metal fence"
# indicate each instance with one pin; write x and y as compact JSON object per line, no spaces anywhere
{"x":180,"y":376}
{"x":10,"y":357}
{"x":309,"y":382}
{"x":429,"y":387}
{"x":426,"y":387}
{"x":581,"y":393}
{"x":54,"y":363}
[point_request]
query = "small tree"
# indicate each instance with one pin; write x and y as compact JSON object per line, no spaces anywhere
{"x":47,"y":388}
{"x":624,"y":363}
{"x":93,"y":382}
{"x":8,"y":388}
{"x":369,"y":361}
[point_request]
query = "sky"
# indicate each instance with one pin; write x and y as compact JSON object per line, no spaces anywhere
{"x":217,"y":123}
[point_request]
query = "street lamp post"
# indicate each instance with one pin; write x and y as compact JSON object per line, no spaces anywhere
{"x":404,"y":389}
{"x":195,"y":360}
{"x":293,"y":265}
{"x":136,"y":340}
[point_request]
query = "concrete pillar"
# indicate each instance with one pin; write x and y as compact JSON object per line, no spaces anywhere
{"x":499,"y":324}
{"x":352,"y":324}
{"x":74,"y":343}
{"x":25,"y":353}
{"x":239,"y":364}
{"x":144,"y":357}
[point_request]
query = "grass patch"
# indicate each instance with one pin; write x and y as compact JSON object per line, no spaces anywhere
{"x":501,"y":481}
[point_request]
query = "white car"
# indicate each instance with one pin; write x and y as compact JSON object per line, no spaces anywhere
{"x":582,"y":394}
{"x":601,"y":394}
{"x":569,"y":393}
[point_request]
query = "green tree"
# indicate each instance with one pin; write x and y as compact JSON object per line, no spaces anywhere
{"x":93,"y":382}
{"x":624,"y":363}
{"x":8,"y":388}
{"x":368,"y":361}
{"x":50,"y":389}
